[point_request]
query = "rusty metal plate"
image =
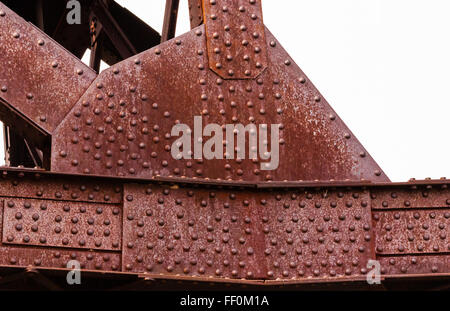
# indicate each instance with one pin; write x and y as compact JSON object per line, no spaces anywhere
{"x":409,"y":265}
{"x":302,"y":235}
{"x":252,"y":235}
{"x":195,"y":13}
{"x":122,"y":125}
{"x":25,"y":256}
{"x":412,"y":232}
{"x":317,"y":234}
{"x":39,"y":186}
{"x":39,"y":78}
{"x":229,"y":71}
{"x":235,"y":37}
{"x":322,"y":147}
{"x":430,"y":196}
{"x":62,"y":224}
{"x":192,"y":232}
{"x":39,"y":257}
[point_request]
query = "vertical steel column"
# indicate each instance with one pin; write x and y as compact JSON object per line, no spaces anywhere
{"x":170,"y":20}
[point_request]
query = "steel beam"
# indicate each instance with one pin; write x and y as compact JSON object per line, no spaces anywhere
{"x":225,"y":233}
{"x":170,"y":20}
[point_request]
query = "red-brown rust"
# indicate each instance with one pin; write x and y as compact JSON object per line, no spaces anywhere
{"x":174,"y":230}
{"x":39,"y":78}
{"x":235,"y":38}
{"x":129,"y":120}
{"x":195,"y":13}
{"x":122,"y":125}
{"x":62,"y":224}
{"x":116,"y":200}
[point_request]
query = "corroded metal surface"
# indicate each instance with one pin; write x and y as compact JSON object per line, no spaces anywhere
{"x":253,"y":235}
{"x":127,"y":119}
{"x":41,"y":232}
{"x":300,"y":235}
{"x":62,"y":224}
{"x":413,"y":197}
{"x":412,"y":228}
{"x":192,"y":232}
{"x":410,"y":265}
{"x":122,"y":125}
{"x":115,"y":199}
{"x":412,"y":232}
{"x":318,"y":233}
{"x":58,"y":259}
{"x":58,"y":188}
{"x":235,"y":38}
{"x":195,"y":13}
{"x":37,"y":73}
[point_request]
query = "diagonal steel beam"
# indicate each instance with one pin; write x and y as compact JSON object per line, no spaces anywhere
{"x":170,"y":20}
{"x":113,"y":30}
{"x":96,"y":35}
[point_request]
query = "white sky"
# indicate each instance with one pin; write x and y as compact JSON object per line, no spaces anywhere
{"x":383,"y":65}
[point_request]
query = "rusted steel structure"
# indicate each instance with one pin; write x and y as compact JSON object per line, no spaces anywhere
{"x":104,"y":189}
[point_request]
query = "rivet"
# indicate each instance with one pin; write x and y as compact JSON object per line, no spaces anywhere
{"x":55,"y":64}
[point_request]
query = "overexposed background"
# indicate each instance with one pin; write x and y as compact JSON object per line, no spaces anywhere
{"x":383,"y":65}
